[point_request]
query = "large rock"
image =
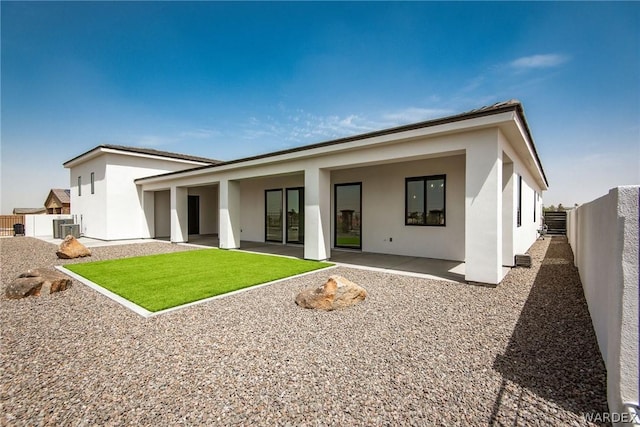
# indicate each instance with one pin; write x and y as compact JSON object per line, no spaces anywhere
{"x":35,"y":282}
{"x":23,"y":287}
{"x":71,"y":248}
{"x":337,"y":292}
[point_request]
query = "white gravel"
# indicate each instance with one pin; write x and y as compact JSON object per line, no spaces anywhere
{"x":416,"y":352}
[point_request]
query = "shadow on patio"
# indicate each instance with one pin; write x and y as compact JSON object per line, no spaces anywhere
{"x":424,"y":267}
{"x":552,"y":353}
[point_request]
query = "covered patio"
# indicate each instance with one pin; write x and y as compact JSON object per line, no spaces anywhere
{"x":397,"y":264}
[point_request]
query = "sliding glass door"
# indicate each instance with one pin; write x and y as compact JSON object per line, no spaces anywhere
{"x":273,"y":215}
{"x":295,"y":215}
{"x":348,"y":215}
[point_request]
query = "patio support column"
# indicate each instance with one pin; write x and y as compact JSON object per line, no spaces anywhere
{"x":148,"y":208}
{"x":229,"y":232}
{"x":317,"y":214}
{"x":483,"y":211}
{"x":179,"y":213}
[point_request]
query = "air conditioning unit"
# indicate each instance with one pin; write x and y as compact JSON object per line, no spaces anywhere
{"x":57,"y":233}
{"x":70,"y":229}
{"x":523,"y":260}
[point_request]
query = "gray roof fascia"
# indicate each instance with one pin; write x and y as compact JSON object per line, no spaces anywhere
{"x":145,"y":151}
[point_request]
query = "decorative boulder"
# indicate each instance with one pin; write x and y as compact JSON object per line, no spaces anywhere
{"x":337,"y":292}
{"x":72,"y":248}
{"x":34,"y":282}
{"x":23,"y":287}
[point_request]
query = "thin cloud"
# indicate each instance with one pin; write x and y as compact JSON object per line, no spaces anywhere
{"x":153,"y":141}
{"x":199,"y":134}
{"x":414,"y":114}
{"x":539,"y":61}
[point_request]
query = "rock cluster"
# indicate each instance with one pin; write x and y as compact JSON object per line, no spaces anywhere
{"x":337,"y":292}
{"x":72,"y":248}
{"x":34,"y":282}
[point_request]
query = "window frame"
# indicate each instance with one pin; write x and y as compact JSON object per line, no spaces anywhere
{"x":335,"y":215}
{"x":79,"y":185}
{"x":425,"y":180}
{"x":266,"y":213}
{"x":519,"y":211}
{"x":93,"y":179}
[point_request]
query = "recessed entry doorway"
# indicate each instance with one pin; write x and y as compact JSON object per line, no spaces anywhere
{"x":194,"y":215}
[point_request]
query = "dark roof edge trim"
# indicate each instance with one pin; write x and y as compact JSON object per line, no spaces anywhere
{"x":156,"y":153}
{"x":520,"y":111}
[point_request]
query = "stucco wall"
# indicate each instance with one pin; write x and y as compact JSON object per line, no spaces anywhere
{"x":90,"y":209}
{"x":252,"y":203}
{"x":208,"y":207}
{"x":383,"y":208}
{"x":41,"y":225}
{"x":114,"y":211}
{"x":162,"y":214}
{"x":604,"y":238}
{"x":125,"y":219}
{"x":383,"y":199}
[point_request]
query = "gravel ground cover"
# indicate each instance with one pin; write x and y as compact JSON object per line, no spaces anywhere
{"x":416,"y":352}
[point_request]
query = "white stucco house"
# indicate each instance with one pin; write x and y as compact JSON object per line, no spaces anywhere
{"x":464,"y":188}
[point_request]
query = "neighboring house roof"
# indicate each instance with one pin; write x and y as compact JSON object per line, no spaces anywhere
{"x":64,"y":196}
{"x":497,"y":108}
{"x":58,"y":197}
{"x":147,"y":151}
{"x":29,"y":211}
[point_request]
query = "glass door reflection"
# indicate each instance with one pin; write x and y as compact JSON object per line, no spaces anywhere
{"x":295,"y":215}
{"x":273,"y":215}
{"x":348,"y":216}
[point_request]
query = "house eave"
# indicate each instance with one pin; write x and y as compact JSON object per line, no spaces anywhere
{"x":101,"y":150}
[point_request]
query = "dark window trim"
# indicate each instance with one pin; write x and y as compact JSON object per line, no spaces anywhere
{"x":425,"y":179}
{"x":80,"y":185}
{"x":266,"y":217}
{"x":519,"y":213}
{"x":535,"y":205}
{"x":335,"y":215}
{"x":93,"y":178}
{"x":286,"y":212}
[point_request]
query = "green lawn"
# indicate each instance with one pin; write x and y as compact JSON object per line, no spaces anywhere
{"x":158,"y":282}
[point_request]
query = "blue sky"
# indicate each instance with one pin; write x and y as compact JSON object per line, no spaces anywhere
{"x":228,"y":80}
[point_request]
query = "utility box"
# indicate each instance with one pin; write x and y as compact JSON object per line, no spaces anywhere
{"x":523,"y":260}
{"x":57,"y":233}
{"x":69,"y":229}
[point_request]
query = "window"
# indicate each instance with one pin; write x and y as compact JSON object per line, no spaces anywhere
{"x":425,"y":200}
{"x":535,"y":204}
{"x":93,"y":188}
{"x":519,"y":200}
{"x":79,"y":186}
